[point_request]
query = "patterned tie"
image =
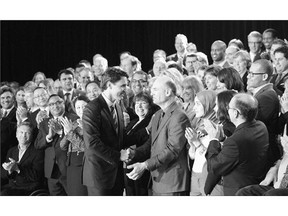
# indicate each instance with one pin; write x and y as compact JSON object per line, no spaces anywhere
{"x":114,"y":117}
{"x":67,"y":102}
{"x":284,"y":181}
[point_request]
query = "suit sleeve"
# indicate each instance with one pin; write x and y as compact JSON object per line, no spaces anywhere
{"x":35,"y":171}
{"x":175,"y":143}
{"x":265,"y":108}
{"x":222,"y":161}
{"x":41,"y":142}
{"x":92,"y":136}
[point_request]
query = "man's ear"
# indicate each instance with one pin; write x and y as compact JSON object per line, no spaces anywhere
{"x":265,"y":77}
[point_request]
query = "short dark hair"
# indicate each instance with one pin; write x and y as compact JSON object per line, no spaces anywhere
{"x":80,"y":98}
{"x":223,"y":100}
{"x":279,"y":41}
{"x":282,"y":49}
{"x":65,"y":71}
{"x":7,"y":89}
{"x":248,"y":108}
{"x":231,"y":78}
{"x":212,"y":70}
{"x":141,"y":72}
{"x":273,"y":31}
{"x":54,"y":95}
{"x":97,"y":83}
{"x":113,"y":75}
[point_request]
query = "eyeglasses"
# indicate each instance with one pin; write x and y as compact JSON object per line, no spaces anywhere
{"x":41,"y":95}
{"x":254,"y":74}
{"x":56,"y":103}
{"x":141,"y":81}
{"x":233,"y":109}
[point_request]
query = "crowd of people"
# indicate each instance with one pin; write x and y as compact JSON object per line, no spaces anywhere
{"x":185,"y":127}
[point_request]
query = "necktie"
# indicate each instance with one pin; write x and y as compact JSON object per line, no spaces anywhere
{"x":67,"y":102}
{"x":4,"y":113}
{"x":284,"y":181}
{"x":160,"y":119}
{"x":278,"y":78}
{"x":114,"y":117}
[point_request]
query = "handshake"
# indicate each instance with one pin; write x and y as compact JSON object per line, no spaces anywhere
{"x":126,"y":155}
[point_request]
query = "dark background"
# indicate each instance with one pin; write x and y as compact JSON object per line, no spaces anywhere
{"x":49,"y":46}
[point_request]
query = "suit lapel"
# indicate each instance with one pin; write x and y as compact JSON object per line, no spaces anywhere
{"x":164,"y":121}
{"x":26,"y":154}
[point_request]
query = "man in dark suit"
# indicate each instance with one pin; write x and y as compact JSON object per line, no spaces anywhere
{"x":268,"y":103}
{"x":49,"y":136}
{"x":24,"y":165}
{"x":241,"y":161}
{"x":167,"y":145}
{"x":68,"y":92}
{"x":8,"y":121}
{"x":103,"y":128}
{"x":281,"y":64}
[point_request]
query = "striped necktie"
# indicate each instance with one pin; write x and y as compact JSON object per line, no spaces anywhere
{"x":114,"y":117}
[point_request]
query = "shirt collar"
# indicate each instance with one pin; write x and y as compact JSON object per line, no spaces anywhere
{"x":8,"y":110}
{"x":108,"y":101}
{"x":255,"y":90}
{"x":64,"y":92}
{"x":25,"y":148}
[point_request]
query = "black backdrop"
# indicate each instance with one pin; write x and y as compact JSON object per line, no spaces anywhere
{"x":49,"y":46}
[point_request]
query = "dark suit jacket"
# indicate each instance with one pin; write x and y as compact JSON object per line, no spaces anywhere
{"x":242,"y":159}
{"x":8,"y":133}
{"x":268,"y":110}
{"x":31,"y":168}
{"x":168,"y":162}
{"x":53,"y":152}
{"x":75,"y":93}
{"x":279,"y":86}
{"x":103,"y":144}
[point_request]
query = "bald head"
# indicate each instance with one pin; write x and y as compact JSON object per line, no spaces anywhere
{"x":265,"y":66}
{"x":218,"y":51}
{"x":246,"y":104}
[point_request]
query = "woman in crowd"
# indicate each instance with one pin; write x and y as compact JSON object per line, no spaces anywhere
{"x":191,"y":86}
{"x":92,"y":90}
{"x":242,"y":63}
{"x":73,"y":143}
{"x":198,"y":139}
{"x":213,"y":184}
{"x":19,"y":96}
{"x":38,"y":76}
{"x":229,"y":79}
{"x":210,"y":77}
{"x":136,"y":135}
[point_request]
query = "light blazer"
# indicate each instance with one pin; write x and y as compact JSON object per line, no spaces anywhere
{"x":103,"y":145}
{"x":242,"y":159}
{"x":168,"y":162}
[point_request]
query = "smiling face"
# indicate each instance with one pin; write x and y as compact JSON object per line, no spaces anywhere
{"x":41,"y":97}
{"x":79,"y":107}
{"x":211,"y":81}
{"x":254,"y":44}
{"x":268,"y":39}
{"x":118,"y":89}
{"x":138,"y":83}
{"x":141,"y":108}
{"x":7,"y":100}
{"x":217,"y":52}
{"x":93,"y":91}
{"x":56,"y":106}
{"x":281,"y":63}
{"x":180,"y":45}
{"x":220,"y":86}
{"x":188,"y":93}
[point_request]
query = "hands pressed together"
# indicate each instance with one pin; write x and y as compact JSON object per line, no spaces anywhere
{"x":10,"y":166}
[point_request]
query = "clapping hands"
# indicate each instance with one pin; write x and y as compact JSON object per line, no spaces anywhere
{"x":214,"y":130}
{"x":10,"y":166}
{"x":66,"y":124}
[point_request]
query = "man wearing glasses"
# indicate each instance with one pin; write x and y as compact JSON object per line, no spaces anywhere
{"x":241,"y":160}
{"x":268,"y":103}
{"x":49,"y":137}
